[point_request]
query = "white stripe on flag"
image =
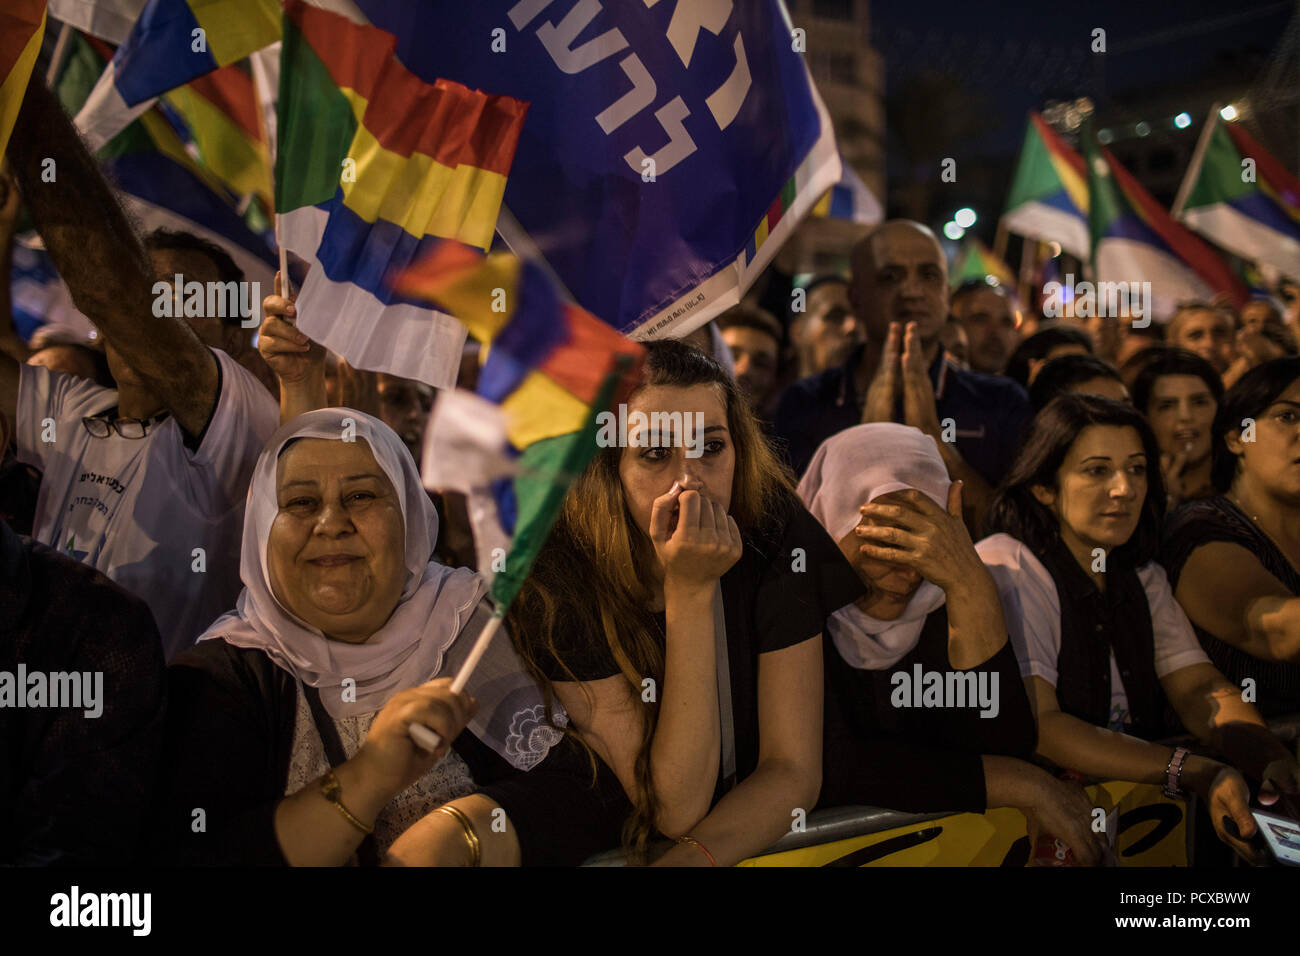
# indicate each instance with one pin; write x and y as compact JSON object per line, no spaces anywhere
{"x":464,"y":450}
{"x":1246,"y":237}
{"x":1172,"y":281}
{"x":403,"y":340}
{"x":1045,"y":223}
{"x":105,"y":113}
{"x":109,"y":20}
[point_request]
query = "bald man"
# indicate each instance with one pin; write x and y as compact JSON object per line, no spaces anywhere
{"x":899,"y":294}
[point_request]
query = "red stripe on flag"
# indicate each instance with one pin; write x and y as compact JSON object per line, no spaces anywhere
{"x":774,"y":212}
{"x":1265,"y":163}
{"x":20,"y":20}
{"x":1056,"y":145}
{"x":458,"y":126}
{"x":1198,"y":256}
{"x":570,"y":364}
{"x":230,"y":90}
{"x":354,"y":54}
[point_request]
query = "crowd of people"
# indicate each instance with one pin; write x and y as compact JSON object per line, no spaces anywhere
{"x":1091,"y":526}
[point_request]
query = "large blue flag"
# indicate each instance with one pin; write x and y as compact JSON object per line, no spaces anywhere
{"x":670,"y":146}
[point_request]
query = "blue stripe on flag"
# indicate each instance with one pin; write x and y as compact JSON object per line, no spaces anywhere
{"x":362,"y":253}
{"x":159,"y":180}
{"x":159,"y":54}
{"x":841,"y":202}
{"x":1265,"y":210}
{"x":533,"y":331}
{"x":1130,"y":226}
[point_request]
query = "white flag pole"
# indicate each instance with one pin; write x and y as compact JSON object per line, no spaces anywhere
{"x":421,"y":734}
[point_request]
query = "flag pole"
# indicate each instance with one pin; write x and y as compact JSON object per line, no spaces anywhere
{"x":262,"y":86}
{"x":1000,"y":239}
{"x":1198,"y":157}
{"x":421,"y":734}
{"x":56,"y":58}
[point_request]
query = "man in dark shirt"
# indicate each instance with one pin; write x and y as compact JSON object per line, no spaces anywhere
{"x":81,"y":707}
{"x":899,"y":293}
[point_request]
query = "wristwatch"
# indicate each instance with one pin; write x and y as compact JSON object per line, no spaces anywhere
{"x":1174,"y":773}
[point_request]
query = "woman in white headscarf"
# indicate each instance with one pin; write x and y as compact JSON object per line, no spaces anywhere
{"x":288,"y":731}
{"x":925,"y":708}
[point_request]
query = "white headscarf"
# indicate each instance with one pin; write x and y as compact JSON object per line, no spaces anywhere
{"x":418,"y":642}
{"x":851,"y":469}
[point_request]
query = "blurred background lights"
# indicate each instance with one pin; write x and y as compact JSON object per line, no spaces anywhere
{"x":1229,"y":112}
{"x":1054,"y":248}
{"x":1183,"y":120}
{"x":1106,"y":137}
{"x":964,"y":217}
{"x":953,"y":231}
{"x":1143,"y":128}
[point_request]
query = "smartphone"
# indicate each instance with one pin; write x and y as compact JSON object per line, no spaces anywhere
{"x":1282,"y":834}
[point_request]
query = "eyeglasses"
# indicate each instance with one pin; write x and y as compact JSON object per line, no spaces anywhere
{"x":105,"y":423}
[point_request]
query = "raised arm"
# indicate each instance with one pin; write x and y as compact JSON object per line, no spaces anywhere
{"x":297,"y":361}
{"x":12,"y":349}
{"x":1226,"y":591}
{"x":99,"y":256}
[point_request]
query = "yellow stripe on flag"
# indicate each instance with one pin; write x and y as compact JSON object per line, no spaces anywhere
{"x":14,"y":87}
{"x":1074,"y":184}
{"x":421,"y":195}
{"x":235,"y":28}
{"x":169,"y":144}
{"x":242,"y":164}
{"x":823,"y":207}
{"x":760,"y":234}
{"x":539,"y":409}
{"x":470,"y":295}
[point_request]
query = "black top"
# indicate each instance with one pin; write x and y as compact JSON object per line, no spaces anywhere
{"x":73,"y":788}
{"x":774,"y":598}
{"x":990,"y":413}
{"x":1095,"y":624}
{"x":229,"y":741}
{"x":1196,"y":523}
{"x":918,"y":759}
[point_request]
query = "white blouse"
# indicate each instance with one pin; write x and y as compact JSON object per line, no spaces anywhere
{"x":1032,"y":609}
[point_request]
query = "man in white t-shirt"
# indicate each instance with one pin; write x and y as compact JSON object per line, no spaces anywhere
{"x":146,"y":483}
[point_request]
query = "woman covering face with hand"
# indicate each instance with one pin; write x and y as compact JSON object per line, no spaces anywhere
{"x":671,"y":615}
{"x":1104,"y":648}
{"x":883,"y":493}
{"x":289,"y":721}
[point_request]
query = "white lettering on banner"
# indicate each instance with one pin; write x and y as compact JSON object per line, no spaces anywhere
{"x":690,"y":18}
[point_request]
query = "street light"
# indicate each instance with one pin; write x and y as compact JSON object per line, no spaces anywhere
{"x":1183,"y":120}
{"x":965,"y":217}
{"x":953,"y":231}
{"x":1229,"y":112}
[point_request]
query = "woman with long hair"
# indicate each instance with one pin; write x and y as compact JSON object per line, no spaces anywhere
{"x":1104,"y":648}
{"x":676,"y":612}
{"x":1179,"y":393}
{"x":1233,"y":558}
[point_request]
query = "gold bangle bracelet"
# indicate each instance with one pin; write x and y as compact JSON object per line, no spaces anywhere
{"x":332,"y":791}
{"x":471,"y":835}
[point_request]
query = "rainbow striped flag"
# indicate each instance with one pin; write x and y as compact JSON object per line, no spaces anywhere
{"x":977,"y":261}
{"x":219,"y":112}
{"x":172,"y":43}
{"x":161,"y":183}
{"x":22,"y":26}
{"x":1135,"y":240}
{"x":374,"y":166}
{"x":1239,"y":196}
{"x":1049,"y":194}
{"x":551,"y":368}
{"x":849,"y":199}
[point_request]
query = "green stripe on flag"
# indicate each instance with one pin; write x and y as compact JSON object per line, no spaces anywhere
{"x":1105,"y":205}
{"x":315,"y":127}
{"x":1036,"y":177}
{"x":546,"y":470}
{"x":1219,"y":179}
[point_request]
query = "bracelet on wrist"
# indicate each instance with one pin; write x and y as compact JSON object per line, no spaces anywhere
{"x":332,"y":791}
{"x":691,"y":841}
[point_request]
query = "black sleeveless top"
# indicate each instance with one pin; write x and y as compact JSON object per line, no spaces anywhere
{"x":1093,"y":624}
{"x":1277,"y":685}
